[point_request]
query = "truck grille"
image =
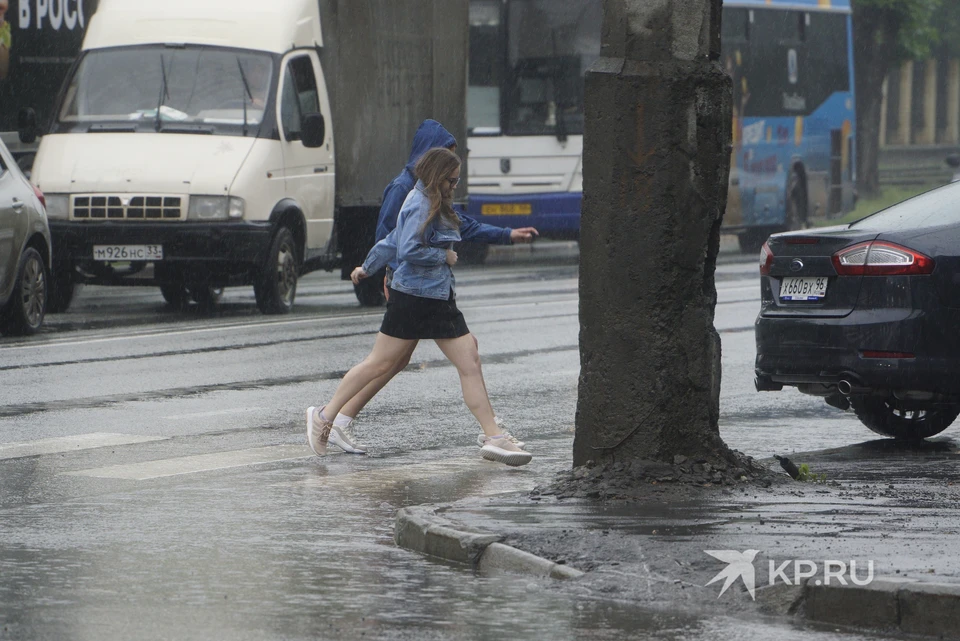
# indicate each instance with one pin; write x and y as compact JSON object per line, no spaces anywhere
{"x":128,"y":207}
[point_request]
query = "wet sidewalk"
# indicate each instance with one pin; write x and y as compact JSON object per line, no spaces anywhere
{"x":887,"y":511}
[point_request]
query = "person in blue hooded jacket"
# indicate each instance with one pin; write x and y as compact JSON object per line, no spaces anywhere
{"x":429,"y":134}
{"x":422,"y":305}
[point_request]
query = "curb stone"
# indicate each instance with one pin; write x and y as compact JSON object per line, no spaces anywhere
{"x":421,"y":529}
{"x":908,"y":605}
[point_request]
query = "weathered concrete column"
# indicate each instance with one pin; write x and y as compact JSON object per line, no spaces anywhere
{"x":953,"y":102}
{"x":656,"y":162}
{"x":905,"y":122}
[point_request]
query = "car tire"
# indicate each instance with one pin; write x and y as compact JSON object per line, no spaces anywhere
{"x":61,"y":290}
{"x":175,"y":294}
{"x":886,"y":416}
{"x":24,"y":312}
{"x":276,"y":286}
{"x":370,"y":290}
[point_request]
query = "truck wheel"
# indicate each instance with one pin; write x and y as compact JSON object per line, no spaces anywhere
{"x":61,"y":290}
{"x":887,"y":416}
{"x":370,"y":290}
{"x":206,"y":296}
{"x":276,"y":287}
{"x":23,"y":314}
{"x":473,"y":253}
{"x":175,"y":294}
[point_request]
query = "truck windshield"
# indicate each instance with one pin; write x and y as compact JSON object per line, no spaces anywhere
{"x":201,"y":89}
{"x":550,"y":44}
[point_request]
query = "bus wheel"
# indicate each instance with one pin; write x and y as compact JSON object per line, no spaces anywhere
{"x":751,"y":240}
{"x":796,"y":215}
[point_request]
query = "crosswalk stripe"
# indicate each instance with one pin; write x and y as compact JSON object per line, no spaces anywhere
{"x":197,"y":463}
{"x":71,"y":444}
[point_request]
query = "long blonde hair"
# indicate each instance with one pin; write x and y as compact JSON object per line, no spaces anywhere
{"x":433,"y":168}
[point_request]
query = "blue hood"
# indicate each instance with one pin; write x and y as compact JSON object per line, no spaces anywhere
{"x":429,"y":134}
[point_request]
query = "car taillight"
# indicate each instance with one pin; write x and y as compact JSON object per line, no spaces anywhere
{"x":766,"y":260}
{"x":43,"y":201}
{"x":880,"y":258}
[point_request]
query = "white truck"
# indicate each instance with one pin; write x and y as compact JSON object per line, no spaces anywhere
{"x":198,"y":145}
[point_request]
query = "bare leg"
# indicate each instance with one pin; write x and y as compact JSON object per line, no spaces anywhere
{"x":387,"y":351}
{"x":357,"y":403}
{"x":463,"y":353}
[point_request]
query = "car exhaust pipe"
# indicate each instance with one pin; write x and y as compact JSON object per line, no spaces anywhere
{"x":847,"y":388}
{"x":765,"y":384}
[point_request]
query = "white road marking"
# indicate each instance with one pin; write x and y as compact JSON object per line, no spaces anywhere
{"x":71,"y":444}
{"x":197,"y":463}
{"x":233,"y":410}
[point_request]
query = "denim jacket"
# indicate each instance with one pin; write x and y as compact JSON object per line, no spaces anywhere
{"x":423,"y":269}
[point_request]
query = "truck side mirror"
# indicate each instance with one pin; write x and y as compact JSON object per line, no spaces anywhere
{"x":313,"y":130}
{"x":27,"y":125}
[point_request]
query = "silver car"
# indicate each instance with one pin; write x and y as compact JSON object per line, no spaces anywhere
{"x":24,"y":251}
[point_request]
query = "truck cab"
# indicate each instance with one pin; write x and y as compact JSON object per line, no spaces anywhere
{"x":191,"y":148}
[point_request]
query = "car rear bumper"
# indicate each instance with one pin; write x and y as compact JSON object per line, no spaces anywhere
{"x":796,"y":351}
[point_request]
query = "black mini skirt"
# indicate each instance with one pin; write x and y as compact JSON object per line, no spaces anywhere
{"x":415,"y":317}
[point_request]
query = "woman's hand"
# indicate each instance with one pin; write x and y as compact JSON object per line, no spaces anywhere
{"x":357,"y":275}
{"x":523,"y":235}
{"x":451,"y":257}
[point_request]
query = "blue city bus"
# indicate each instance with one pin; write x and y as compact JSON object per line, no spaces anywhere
{"x":792,"y":67}
{"x":794,"y":114}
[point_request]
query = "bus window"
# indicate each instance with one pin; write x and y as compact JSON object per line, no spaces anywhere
{"x":550,"y":45}
{"x":794,"y":61}
{"x":735,"y":26}
{"x":486,"y":68}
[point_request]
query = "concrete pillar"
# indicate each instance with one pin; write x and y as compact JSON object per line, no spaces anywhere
{"x":953,"y":102}
{"x":884,"y":107}
{"x":905,"y":122}
{"x":928,"y":134}
{"x":655,"y":169}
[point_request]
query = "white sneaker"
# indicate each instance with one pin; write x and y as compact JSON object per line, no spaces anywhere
{"x":502,"y":450}
{"x":481,"y":437}
{"x":318,"y":431}
{"x":343,"y":438}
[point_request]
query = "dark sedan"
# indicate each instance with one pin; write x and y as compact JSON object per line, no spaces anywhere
{"x":867,"y":315}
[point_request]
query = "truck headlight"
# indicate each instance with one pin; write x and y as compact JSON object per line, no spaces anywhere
{"x":215,"y":208}
{"x":58,"y":205}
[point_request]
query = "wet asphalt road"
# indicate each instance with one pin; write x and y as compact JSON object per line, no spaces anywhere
{"x":155,"y":483}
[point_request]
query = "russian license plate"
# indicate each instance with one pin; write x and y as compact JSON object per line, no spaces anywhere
{"x":506,"y":209}
{"x":803,"y":288}
{"x":128,"y":252}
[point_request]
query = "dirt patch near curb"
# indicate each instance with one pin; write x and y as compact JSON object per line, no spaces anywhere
{"x":638,"y":480}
